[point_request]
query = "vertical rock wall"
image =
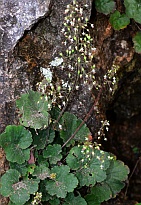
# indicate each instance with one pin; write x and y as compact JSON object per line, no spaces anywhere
{"x":30,"y":38}
{"x":16,"y":16}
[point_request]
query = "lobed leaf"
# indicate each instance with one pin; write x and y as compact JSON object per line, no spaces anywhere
{"x":54,"y":201}
{"x":18,"y":191}
{"x":99,"y":193}
{"x":69,"y":125}
{"x":133,"y":9}
{"x":52,"y":152}
{"x":42,"y":138}
{"x":63,"y":183}
{"x":73,"y":200}
{"x":7,"y":180}
{"x":15,"y":141}
{"x":75,"y":158}
{"x":95,"y":170}
{"x":22,"y":191}
{"x":105,"y":6}
{"x":41,"y":172}
{"x":34,"y":109}
{"x":119,"y":21}
{"x":116,"y":174}
{"x":22,"y":168}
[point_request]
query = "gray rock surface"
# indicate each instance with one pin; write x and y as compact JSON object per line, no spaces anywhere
{"x":16,"y":16}
{"x":45,"y":42}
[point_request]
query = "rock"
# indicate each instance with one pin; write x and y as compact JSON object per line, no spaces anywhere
{"x":16,"y":16}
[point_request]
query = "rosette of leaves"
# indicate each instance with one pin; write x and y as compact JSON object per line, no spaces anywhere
{"x":69,"y":125}
{"x":18,"y":191}
{"x":105,"y":6}
{"x":133,"y":9}
{"x":119,"y":21}
{"x":61,"y":182}
{"x":101,"y":171}
{"x":34,"y":110}
{"x":15,"y":141}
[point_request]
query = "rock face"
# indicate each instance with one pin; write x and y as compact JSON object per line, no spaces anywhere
{"x":20,"y":62}
{"x":23,"y":53}
{"x":16,"y":16}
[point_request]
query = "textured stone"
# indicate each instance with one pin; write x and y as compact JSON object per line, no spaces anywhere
{"x":16,"y":16}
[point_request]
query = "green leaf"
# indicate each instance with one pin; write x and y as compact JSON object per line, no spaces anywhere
{"x":105,"y":6}
{"x":95,"y":171}
{"x":41,"y":172}
{"x":54,"y":201}
{"x":7,"y":180}
{"x":119,"y":21}
{"x":15,"y":141}
{"x":72,"y":200}
{"x":53,"y":153}
{"x":116,"y":173}
{"x":41,"y":160}
{"x":34,"y":109}
{"x":42,"y":189}
{"x":55,"y":112}
{"x":99,"y":193}
{"x":89,"y":176}
{"x":42,"y":138}
{"x":22,"y":191}
{"x":133,"y":9}
{"x":63,"y":183}
{"x":18,"y":191}
{"x":117,"y":170}
{"x":75,"y":158}
{"x":137,"y":42}
{"x":22,"y":168}
{"x":27,"y":203}
{"x":69,"y":126}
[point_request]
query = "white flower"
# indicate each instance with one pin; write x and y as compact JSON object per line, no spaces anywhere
{"x":60,"y":127}
{"x":101,"y":166}
{"x":72,"y":23}
{"x":56,"y":62}
{"x":47,"y":73}
{"x":86,"y":5}
{"x":81,"y":11}
{"x":65,"y":84}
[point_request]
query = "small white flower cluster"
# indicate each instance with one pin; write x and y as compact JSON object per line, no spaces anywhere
{"x":37,"y":198}
{"x":111,"y":79}
{"x":104,"y":125}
